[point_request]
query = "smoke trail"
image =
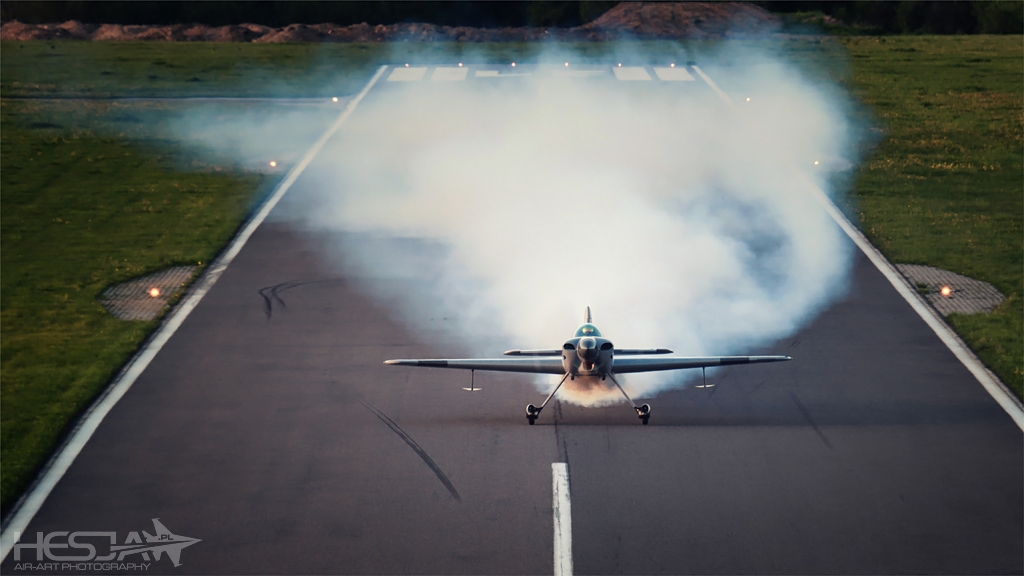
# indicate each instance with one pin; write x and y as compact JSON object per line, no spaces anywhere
{"x":507,"y":206}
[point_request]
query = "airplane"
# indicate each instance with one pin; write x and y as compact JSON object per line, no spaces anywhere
{"x":587,"y":355}
{"x":164,"y":541}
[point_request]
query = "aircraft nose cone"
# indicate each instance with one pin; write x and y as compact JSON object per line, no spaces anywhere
{"x":587,"y":349}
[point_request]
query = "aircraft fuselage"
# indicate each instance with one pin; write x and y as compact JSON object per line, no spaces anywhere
{"x":587,"y":353}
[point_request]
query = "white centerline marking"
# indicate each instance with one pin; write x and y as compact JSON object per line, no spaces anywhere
{"x":562,"y":518}
{"x":27,"y":508}
{"x":995,"y":387}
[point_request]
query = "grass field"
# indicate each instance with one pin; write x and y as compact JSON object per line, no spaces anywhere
{"x":83,"y":209}
{"x":945,"y":187}
{"x":148,"y":69}
{"x":97,"y":192}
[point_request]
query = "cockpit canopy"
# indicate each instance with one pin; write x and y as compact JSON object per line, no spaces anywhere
{"x":587,"y":330}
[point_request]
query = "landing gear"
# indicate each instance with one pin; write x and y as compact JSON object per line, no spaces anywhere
{"x":533,"y":411}
{"x":642,"y":412}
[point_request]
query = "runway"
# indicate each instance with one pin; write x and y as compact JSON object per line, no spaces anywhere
{"x":268,"y":428}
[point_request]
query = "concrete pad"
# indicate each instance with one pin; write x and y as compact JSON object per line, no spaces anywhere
{"x":965,"y":295}
{"x":145,"y":298}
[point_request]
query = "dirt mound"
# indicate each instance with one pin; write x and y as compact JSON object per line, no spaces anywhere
{"x":673,"y":20}
{"x":76,"y":29}
{"x":685,"y":19}
{"x":293,"y":33}
{"x":15,"y":30}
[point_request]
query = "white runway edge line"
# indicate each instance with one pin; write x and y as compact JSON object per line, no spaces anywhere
{"x":27,"y":508}
{"x":995,"y":387}
{"x":562,"y":518}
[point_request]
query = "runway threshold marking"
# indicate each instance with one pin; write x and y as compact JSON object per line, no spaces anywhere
{"x":448,"y":74}
{"x":403,"y":74}
{"x":562,"y":518}
{"x":631,"y":73}
{"x":999,"y":392}
{"x":456,"y":74}
{"x":29,"y":504}
{"x":673,"y":74}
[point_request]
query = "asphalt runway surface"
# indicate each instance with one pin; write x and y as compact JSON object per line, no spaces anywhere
{"x":268,"y":428}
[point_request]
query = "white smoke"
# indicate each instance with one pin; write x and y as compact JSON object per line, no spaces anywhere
{"x":509,"y":205}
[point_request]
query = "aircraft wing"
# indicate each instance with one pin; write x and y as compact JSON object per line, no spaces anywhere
{"x":531,"y":364}
{"x":630,"y":365}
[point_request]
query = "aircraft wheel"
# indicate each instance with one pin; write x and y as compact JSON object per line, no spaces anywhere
{"x":531,"y":413}
{"x":646,"y":418}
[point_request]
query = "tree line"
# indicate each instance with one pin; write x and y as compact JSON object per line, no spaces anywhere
{"x":880,"y":17}
{"x":917,"y":17}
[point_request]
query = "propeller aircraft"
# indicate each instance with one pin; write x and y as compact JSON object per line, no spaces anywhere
{"x":587,"y":354}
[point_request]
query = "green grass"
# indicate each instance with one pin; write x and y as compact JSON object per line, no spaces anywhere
{"x":94,"y":193}
{"x":76,"y":69}
{"x":81,"y":210}
{"x":156,"y":69}
{"x":945,"y":186}
{"x":141,"y":69}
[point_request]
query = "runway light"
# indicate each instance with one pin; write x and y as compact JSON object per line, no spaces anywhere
{"x":406,"y":64}
{"x":748,"y":99}
{"x":460,"y":64}
{"x":815,"y":162}
{"x":620,"y":64}
{"x":335,"y":99}
{"x":154,"y":292}
{"x":672,"y":65}
{"x":273,"y":164}
{"x":513,"y":64}
{"x":946,"y":291}
{"x":566,"y":63}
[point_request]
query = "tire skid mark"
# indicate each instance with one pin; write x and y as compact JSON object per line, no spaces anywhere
{"x":807,"y":416}
{"x":415,"y":448}
{"x":270,"y":294}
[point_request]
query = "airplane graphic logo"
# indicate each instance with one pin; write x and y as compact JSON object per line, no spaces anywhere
{"x":163,"y":542}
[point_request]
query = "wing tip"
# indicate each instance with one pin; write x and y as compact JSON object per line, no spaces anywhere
{"x":427,"y":363}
